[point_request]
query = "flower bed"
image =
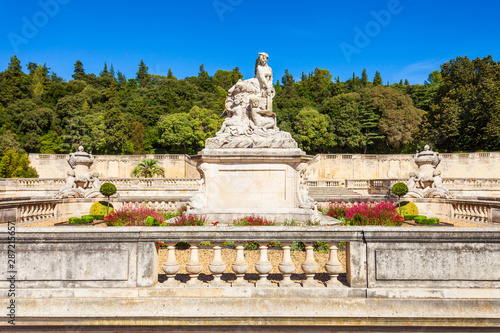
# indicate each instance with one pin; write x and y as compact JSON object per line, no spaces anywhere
{"x":366,"y":213}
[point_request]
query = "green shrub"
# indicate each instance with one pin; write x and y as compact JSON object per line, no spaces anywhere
{"x":251,"y":245}
{"x":99,"y":208}
{"x":152,"y":222}
{"x":88,"y":218}
{"x":420,"y":219}
{"x":412,"y":217}
{"x":75,"y":220}
{"x":297,"y":246}
{"x":322,"y":247}
{"x":408,"y":208}
{"x":432,"y":220}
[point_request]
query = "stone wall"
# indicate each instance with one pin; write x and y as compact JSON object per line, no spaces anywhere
{"x":113,"y":166}
{"x":358,"y":166}
{"x":322,"y":167}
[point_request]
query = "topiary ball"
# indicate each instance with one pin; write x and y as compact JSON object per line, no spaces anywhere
{"x":107,"y":189}
{"x":99,"y":208}
{"x":408,"y":208}
{"x":399,"y":189}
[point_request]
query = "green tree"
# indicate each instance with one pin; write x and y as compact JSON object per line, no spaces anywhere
{"x":434,"y":78}
{"x":364,"y":77}
{"x":15,"y":164}
{"x":14,"y":83}
{"x":143,"y":77}
{"x":79,"y":73}
{"x":377,"y":79}
{"x":345,"y":116}
{"x":313,"y":131}
{"x":400,"y":119}
{"x":465,"y":110}
{"x":176,"y":133}
{"x":148,"y":168}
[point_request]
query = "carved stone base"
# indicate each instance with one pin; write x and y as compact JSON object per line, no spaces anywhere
{"x":264,"y":182}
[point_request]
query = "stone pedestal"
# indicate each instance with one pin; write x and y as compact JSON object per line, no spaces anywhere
{"x":239,"y":182}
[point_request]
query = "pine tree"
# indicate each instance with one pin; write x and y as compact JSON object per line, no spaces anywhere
{"x":369,"y":122}
{"x":104,"y":72}
{"x":31,"y":67}
{"x":112,"y":71}
{"x":79,"y":71}
{"x":14,"y":65}
{"x":277,"y":87}
{"x":170,"y":75}
{"x":304,"y":77}
{"x":364,"y":77}
{"x":121,"y":77}
{"x":377,"y":80}
{"x":143,"y":77}
{"x":406,"y":82}
{"x":287,"y":79}
{"x":401,"y":82}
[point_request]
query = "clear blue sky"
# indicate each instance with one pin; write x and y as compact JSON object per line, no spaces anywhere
{"x":414,"y":40}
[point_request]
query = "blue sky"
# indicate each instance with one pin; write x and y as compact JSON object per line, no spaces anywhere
{"x":405,"y":39}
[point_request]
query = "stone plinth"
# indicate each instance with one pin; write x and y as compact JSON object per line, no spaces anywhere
{"x":239,"y":182}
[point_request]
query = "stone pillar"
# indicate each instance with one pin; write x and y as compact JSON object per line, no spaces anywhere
{"x":263,"y":267}
{"x":333,"y":268}
{"x":286,"y":267}
{"x":217,"y":267}
{"x":194,"y":267}
{"x":171,"y":266}
{"x":310,"y":267}
{"x":239,"y":267}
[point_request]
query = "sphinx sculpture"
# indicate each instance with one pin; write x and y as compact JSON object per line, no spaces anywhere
{"x":80,"y":183}
{"x":427,"y":183}
{"x":251,"y":122}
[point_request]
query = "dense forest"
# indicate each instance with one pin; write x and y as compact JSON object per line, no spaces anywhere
{"x":456,"y":109}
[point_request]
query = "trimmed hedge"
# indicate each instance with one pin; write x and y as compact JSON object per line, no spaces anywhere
{"x":408,"y":208}
{"x":412,"y":217}
{"x":99,"y":208}
{"x":424,"y":220}
{"x":85,"y":219}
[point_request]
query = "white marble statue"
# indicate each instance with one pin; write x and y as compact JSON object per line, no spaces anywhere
{"x":250,"y":121}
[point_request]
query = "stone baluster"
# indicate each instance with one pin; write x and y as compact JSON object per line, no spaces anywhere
{"x":194,"y":267}
{"x":239,"y":267}
{"x":171,"y":266}
{"x":217,"y":267}
{"x":286,"y":267}
{"x":310,"y":267}
{"x":333,"y":268}
{"x":263,"y":267}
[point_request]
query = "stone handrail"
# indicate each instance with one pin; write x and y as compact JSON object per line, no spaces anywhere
{"x":459,"y":156}
{"x":110,"y":248}
{"x":115,"y":157}
{"x":56,"y":183}
{"x":394,"y":276}
{"x":39,"y":210}
{"x":449,"y":182}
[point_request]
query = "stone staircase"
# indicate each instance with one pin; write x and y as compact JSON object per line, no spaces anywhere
{"x":331,"y":191}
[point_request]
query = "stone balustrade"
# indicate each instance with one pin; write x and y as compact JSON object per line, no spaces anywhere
{"x":48,"y":187}
{"x":38,"y":210}
{"x":398,"y":276}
